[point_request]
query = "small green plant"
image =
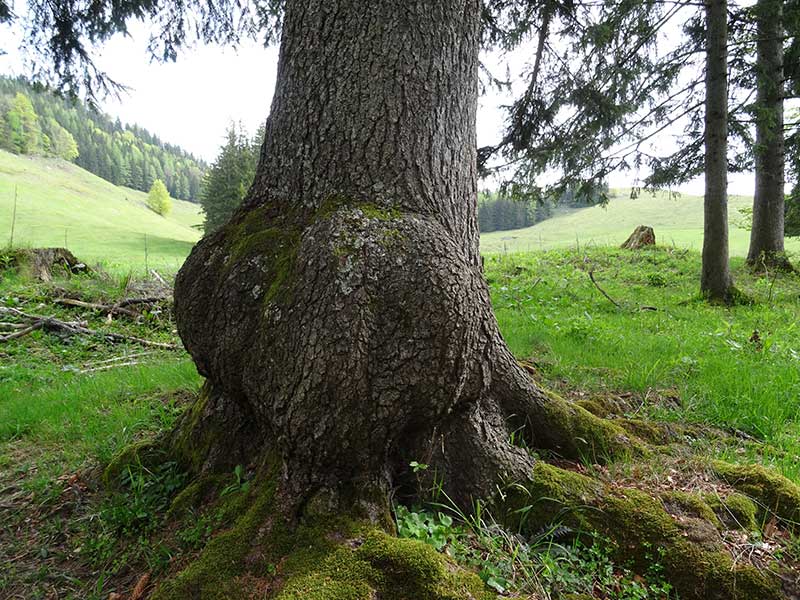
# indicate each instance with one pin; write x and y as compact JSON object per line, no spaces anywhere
{"x":196,"y":534}
{"x":656,"y":279}
{"x":238,"y":485}
{"x":434,"y":529}
{"x":546,"y":564}
{"x":417,"y":466}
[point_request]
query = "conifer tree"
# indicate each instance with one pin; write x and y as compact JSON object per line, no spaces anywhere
{"x":229,"y":178}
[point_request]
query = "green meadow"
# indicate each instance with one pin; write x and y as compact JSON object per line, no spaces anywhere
{"x":677,"y":221}
{"x":58,"y":204}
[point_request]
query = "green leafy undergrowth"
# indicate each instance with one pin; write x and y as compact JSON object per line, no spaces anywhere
{"x":550,"y":564}
{"x":118,"y":533}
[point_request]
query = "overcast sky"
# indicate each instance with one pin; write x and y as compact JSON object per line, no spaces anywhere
{"x":192,"y":101}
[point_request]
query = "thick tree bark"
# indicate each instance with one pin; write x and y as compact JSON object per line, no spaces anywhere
{"x":341,"y":317}
{"x":716,"y":282}
{"x":344,"y":326}
{"x":766,"y":237}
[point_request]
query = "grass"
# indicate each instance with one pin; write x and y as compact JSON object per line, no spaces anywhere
{"x":677,"y":221}
{"x":670,"y":355}
{"x":67,"y":418}
{"x":101,"y":222}
{"x":737,"y":368}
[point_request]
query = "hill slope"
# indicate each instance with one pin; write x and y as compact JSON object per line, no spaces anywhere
{"x":102,"y":222}
{"x":45,"y":124}
{"x":677,"y":221}
{"x":107,"y":223}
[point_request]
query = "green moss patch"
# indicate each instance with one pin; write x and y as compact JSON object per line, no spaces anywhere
{"x":136,"y":455}
{"x":773,"y":493}
{"x":688,"y":504}
{"x":688,"y":548}
{"x":735,"y":511}
{"x":580,"y":434}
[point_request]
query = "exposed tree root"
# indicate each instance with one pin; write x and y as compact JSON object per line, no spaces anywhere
{"x":691,"y":550}
{"x":337,"y":543}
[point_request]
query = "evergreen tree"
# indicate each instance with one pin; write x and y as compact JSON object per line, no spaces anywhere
{"x":158,"y":199}
{"x":229,"y":178}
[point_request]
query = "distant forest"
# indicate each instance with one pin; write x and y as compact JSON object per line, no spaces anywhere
{"x":499,"y":213}
{"x":36,"y":122}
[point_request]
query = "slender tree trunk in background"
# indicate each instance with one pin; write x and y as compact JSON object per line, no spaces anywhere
{"x":341,"y":317}
{"x":716,"y":282}
{"x":766,"y":237}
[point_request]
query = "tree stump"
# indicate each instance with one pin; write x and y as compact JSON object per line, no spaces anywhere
{"x":641,"y":236}
{"x":40,"y":262}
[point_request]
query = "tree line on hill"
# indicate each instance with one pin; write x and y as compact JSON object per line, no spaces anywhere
{"x":499,"y":211}
{"x":34,"y":121}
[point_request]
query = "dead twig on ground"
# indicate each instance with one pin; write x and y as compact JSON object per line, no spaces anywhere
{"x":602,"y":291}
{"x":159,"y":278}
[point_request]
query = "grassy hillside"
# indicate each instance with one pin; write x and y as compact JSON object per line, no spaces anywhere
{"x":105,"y":223}
{"x":677,"y":221}
{"x":102,"y":222}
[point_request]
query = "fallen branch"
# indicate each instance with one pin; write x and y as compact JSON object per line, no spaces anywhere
{"x":73,"y":328}
{"x":110,"y":366}
{"x":13,"y":325}
{"x":21,"y":332}
{"x":116,"y":308}
{"x":108,"y":308}
{"x":150,"y":300}
{"x":602,"y":291}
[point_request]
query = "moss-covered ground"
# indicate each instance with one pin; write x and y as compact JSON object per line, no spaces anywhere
{"x":707,"y":392}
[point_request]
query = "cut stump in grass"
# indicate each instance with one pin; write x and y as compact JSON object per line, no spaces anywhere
{"x":39,"y":263}
{"x":641,"y":236}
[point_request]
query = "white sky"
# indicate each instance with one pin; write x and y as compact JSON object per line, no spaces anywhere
{"x":191,"y":102}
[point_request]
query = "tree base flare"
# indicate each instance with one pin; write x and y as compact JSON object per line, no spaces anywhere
{"x":335,"y":546}
{"x":338,"y":543}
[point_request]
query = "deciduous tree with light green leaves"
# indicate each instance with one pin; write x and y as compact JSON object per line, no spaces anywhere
{"x":23,"y":124}
{"x":158,"y":199}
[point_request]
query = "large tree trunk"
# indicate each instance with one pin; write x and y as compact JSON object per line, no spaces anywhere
{"x":341,"y":317}
{"x":766,"y":237}
{"x":344,"y":326}
{"x":716,"y":282}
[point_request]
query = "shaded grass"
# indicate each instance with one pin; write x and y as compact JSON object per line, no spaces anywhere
{"x":709,"y":357}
